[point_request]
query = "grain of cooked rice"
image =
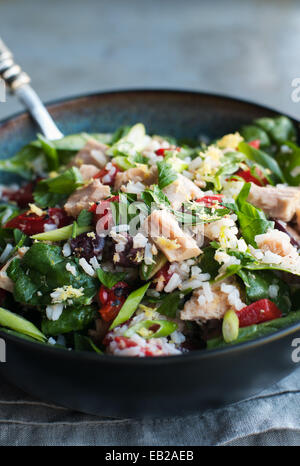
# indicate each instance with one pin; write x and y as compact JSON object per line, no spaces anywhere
{"x":54,"y":311}
{"x":88,"y":269}
{"x":66,"y":250}
{"x":173,"y":283}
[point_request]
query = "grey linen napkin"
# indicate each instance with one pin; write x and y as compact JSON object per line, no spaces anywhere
{"x":271,"y":418}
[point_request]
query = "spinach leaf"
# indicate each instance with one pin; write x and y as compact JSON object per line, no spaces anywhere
{"x":166,"y":174}
{"x":251,"y":219}
{"x":264,"y":159}
{"x":109,"y":279}
{"x":207,"y":262}
{"x":253,"y":132}
{"x":42,"y":270}
{"x":290,"y":163}
{"x":257,"y":285}
{"x":73,"y":318}
{"x":280,"y":129}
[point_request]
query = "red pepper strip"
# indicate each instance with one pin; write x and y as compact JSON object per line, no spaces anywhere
{"x":211,"y":201}
{"x":112,"y":300}
{"x":104,"y":171}
{"x":258,"y":312}
{"x":162,"y":151}
{"x":31,"y":224}
{"x":248,"y":177}
{"x":255,"y":143}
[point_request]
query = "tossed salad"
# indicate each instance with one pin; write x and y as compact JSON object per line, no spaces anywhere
{"x":138,"y":245}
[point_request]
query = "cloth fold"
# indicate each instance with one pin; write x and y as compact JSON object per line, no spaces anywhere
{"x":270,"y":418}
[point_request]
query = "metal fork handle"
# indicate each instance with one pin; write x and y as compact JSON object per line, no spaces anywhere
{"x":18,"y":83}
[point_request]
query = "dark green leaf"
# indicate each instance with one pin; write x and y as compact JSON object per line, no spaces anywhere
{"x":109,"y":279}
{"x":263,"y":159}
{"x":253,"y":132}
{"x":251,"y":219}
{"x":258,"y":284}
{"x":73,"y":318}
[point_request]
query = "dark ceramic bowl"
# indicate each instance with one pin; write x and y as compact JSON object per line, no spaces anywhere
{"x":123,"y":386}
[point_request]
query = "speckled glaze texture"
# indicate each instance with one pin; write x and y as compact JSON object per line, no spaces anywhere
{"x":122,"y":386}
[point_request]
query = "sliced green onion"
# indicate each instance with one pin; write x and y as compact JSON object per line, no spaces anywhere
{"x":122,"y":162}
{"x":60,"y":234}
{"x":230,"y":326}
{"x":130,"y":306}
{"x":143,"y":328}
{"x":19,"y":324}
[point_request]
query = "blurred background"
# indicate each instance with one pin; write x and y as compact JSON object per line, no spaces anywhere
{"x":247,"y":49}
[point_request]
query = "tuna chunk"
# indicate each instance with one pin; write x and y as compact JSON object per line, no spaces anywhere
{"x":140,"y":174}
{"x":88,"y":171}
{"x":181,"y":190}
{"x":277,"y":242}
{"x":212,"y":301}
{"x":84,"y":197}
{"x":282,"y":202}
{"x":93,"y":153}
{"x":162,"y":227}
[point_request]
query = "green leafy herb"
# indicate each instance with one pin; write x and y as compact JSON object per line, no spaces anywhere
{"x":84,"y":218}
{"x":166,"y":174}
{"x":170,"y":304}
{"x":52,"y":191}
{"x":50,"y":152}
